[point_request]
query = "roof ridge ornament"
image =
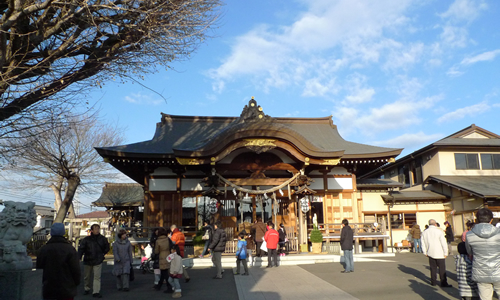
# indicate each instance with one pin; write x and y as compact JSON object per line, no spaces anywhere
{"x":253,"y":112}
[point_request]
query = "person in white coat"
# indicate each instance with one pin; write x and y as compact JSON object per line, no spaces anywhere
{"x":435,"y":247}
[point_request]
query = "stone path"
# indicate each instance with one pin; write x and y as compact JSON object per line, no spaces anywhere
{"x":286,"y":282}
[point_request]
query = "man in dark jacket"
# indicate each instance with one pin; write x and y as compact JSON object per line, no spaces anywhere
{"x":217,"y":246}
{"x":60,"y":264}
{"x":483,"y":243}
{"x":346,"y":244}
{"x":93,"y":248}
{"x":416,"y":233}
{"x":448,"y":234}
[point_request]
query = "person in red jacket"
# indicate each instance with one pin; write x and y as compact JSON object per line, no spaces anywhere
{"x":272,"y":238}
{"x":179,"y":239}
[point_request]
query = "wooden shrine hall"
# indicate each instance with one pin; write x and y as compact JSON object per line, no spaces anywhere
{"x":235,"y":169}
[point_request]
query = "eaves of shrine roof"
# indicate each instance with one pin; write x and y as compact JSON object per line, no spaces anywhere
{"x":413,"y":195}
{"x":193,"y":136}
{"x":377,"y":183}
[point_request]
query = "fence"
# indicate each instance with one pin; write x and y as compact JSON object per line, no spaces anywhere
{"x":36,"y":242}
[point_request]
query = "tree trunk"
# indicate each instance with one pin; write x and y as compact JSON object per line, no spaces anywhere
{"x":73,"y":183}
{"x":57,"y":194}
{"x":58,"y":199}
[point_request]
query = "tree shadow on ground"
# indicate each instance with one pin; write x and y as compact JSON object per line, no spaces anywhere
{"x":424,"y":288}
{"x":414,"y":272}
{"x":426,"y":291}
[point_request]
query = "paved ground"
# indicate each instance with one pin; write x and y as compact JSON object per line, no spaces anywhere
{"x":405,"y":276}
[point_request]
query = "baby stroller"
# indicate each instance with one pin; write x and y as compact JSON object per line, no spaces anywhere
{"x":147,"y":266}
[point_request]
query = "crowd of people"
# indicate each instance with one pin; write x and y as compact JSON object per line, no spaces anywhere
{"x":477,"y":262}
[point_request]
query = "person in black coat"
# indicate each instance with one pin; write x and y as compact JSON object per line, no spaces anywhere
{"x":218,"y":245}
{"x":346,"y":244}
{"x":207,"y":229}
{"x":60,"y":264}
{"x":448,"y":234}
{"x":93,"y":248}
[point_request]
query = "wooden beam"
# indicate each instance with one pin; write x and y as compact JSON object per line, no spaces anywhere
{"x":259,"y":181}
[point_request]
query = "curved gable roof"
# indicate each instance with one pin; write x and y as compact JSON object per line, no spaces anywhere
{"x":192,"y":136}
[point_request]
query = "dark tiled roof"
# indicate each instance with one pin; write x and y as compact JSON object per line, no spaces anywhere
{"x":94,"y":215}
{"x":413,"y":195}
{"x":377,"y":183}
{"x":120,"y":194}
{"x":198,"y":134}
{"x":481,"y":186}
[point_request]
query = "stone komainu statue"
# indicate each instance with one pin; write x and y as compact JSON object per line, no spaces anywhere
{"x":16,"y":227}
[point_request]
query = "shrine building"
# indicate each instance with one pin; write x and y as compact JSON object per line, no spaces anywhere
{"x":235,"y":169}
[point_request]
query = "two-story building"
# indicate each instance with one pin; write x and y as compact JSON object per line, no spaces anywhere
{"x":447,"y":180}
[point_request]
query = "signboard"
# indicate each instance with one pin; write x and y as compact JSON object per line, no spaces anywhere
{"x":212,"y":206}
{"x":304,"y":205}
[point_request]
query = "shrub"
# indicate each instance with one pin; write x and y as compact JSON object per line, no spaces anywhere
{"x":197,"y":241}
{"x":316,"y":236}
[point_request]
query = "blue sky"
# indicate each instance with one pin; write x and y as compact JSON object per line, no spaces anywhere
{"x":395,"y":73}
{"x":391,"y":73}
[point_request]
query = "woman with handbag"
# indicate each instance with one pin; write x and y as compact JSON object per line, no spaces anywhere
{"x":162,"y":249}
{"x":122,"y":252}
{"x":259,"y":230}
{"x":207,"y":237}
{"x":155,"y":257}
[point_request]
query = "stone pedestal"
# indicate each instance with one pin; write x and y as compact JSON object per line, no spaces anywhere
{"x":17,"y":285}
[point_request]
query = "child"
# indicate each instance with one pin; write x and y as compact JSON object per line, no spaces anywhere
{"x":148,"y":250}
{"x":241,"y":254}
{"x":176,"y":270}
{"x":467,"y":287}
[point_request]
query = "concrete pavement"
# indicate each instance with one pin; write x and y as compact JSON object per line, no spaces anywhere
{"x":405,"y":276}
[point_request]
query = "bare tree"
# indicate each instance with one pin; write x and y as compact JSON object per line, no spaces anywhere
{"x":60,"y":154}
{"x":50,"y":47}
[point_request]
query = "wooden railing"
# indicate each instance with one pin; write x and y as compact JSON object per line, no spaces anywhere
{"x":361,"y":231}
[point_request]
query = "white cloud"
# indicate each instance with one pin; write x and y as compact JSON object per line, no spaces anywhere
{"x":409,"y":140}
{"x":454,"y":36}
{"x":396,"y":115}
{"x":142,"y":99}
{"x":314,"y":87}
{"x":283,"y":56}
{"x":454,"y":72}
{"x":403,"y":58}
{"x":468,"y":111}
{"x":459,"y":14}
{"x":358,"y":93}
{"x":361,"y":95}
{"x":464,"y":10}
{"x":490,"y":55}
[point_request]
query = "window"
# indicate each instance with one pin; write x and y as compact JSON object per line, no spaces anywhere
{"x":48,"y":223}
{"x":402,"y":220}
{"x":490,"y":161}
{"x":417,"y":172}
{"x":466,"y":161}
